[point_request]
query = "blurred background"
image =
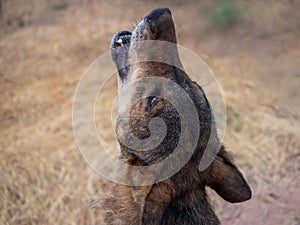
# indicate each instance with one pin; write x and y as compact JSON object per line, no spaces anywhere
{"x":253,"y":47}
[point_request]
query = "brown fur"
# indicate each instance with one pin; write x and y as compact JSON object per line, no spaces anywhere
{"x":180,"y":199}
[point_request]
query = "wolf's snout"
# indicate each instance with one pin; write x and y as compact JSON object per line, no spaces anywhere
{"x":155,"y":14}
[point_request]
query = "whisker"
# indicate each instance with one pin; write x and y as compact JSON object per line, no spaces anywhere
{"x":134,"y":23}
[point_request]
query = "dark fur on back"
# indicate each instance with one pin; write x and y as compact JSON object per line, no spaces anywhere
{"x":181,"y":199}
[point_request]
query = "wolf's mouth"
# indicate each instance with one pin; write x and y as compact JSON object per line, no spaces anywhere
{"x":157,"y":25}
{"x":121,"y":38}
{"x":119,"y":51}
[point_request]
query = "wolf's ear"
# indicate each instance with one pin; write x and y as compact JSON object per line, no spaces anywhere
{"x":227,"y":180}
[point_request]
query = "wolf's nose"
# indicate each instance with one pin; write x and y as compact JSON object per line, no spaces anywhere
{"x":156,"y":13}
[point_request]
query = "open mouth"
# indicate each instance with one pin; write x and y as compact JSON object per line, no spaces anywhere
{"x":119,"y":51}
{"x":121,"y":38}
{"x":157,"y":25}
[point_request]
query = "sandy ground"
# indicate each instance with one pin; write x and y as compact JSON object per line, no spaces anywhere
{"x":46,"y":47}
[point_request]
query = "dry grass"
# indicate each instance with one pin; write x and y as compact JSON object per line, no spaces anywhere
{"x":44,"y":179}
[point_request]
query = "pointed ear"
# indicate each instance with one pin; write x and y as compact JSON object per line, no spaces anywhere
{"x":227,"y":180}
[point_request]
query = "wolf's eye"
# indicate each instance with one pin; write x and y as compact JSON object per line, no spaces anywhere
{"x":151,"y":102}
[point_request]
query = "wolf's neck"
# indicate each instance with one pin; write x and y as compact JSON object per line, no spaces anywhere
{"x":162,"y":206}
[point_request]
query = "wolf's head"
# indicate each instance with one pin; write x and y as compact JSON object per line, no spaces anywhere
{"x":152,"y":90}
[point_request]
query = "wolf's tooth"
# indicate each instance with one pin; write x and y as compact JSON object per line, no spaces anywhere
{"x":120,"y":41}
